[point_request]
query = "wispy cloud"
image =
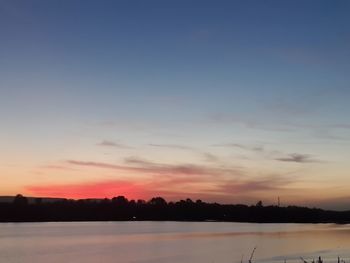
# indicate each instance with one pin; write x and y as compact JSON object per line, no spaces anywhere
{"x":171,"y":146}
{"x":143,"y":166}
{"x":133,"y":160}
{"x":270,"y":183}
{"x":212,"y":182}
{"x":271,"y":154}
{"x":255,"y":148}
{"x":249,"y":123}
{"x":297,"y":158}
{"x":209,"y":157}
{"x":171,"y":188}
{"x":107,"y":143}
{"x":168,"y":186}
{"x":94,"y":164}
{"x":286,"y":124}
{"x":57,"y":167}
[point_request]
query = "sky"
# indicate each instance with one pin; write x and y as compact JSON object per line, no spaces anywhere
{"x":224,"y":101}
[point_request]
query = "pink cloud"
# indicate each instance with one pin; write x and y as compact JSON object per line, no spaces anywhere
{"x":169,"y":187}
{"x":143,"y":166}
{"x":176,"y":181}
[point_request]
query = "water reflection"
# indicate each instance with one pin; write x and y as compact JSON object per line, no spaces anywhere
{"x":141,"y":242}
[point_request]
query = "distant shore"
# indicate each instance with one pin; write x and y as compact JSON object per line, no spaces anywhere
{"x":22,"y":209}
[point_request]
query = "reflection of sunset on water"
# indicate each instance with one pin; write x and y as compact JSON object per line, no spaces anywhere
{"x":172,"y":242}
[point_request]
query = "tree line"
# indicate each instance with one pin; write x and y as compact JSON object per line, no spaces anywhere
{"x":158,"y":209}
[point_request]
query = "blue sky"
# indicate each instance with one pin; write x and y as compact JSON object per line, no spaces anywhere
{"x":262,"y":86}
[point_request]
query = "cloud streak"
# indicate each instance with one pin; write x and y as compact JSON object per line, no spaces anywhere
{"x":107,"y":143}
{"x":209,"y":157}
{"x":297,"y":158}
{"x":292,"y":157}
{"x":170,"y":187}
{"x":172,"y":181}
{"x":171,"y":146}
{"x":271,"y":183}
{"x":143,"y":166}
{"x":241,"y":146}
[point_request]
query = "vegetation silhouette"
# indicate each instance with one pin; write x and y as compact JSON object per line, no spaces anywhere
{"x":158,"y":209}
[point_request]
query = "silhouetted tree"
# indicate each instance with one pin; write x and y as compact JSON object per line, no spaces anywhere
{"x":119,"y":208}
{"x":20,"y":200}
{"x":120,"y":200}
{"x":141,"y":202}
{"x":159,"y":201}
{"x":189,"y":201}
{"x":259,"y":204}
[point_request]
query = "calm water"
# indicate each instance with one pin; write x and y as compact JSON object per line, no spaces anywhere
{"x":105,"y":242}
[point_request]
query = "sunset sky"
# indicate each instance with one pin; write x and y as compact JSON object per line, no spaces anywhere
{"x":225,"y":101}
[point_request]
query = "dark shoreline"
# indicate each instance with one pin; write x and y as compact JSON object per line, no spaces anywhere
{"x":157,"y":209}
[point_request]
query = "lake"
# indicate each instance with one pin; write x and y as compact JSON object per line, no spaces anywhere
{"x":192,"y":242}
